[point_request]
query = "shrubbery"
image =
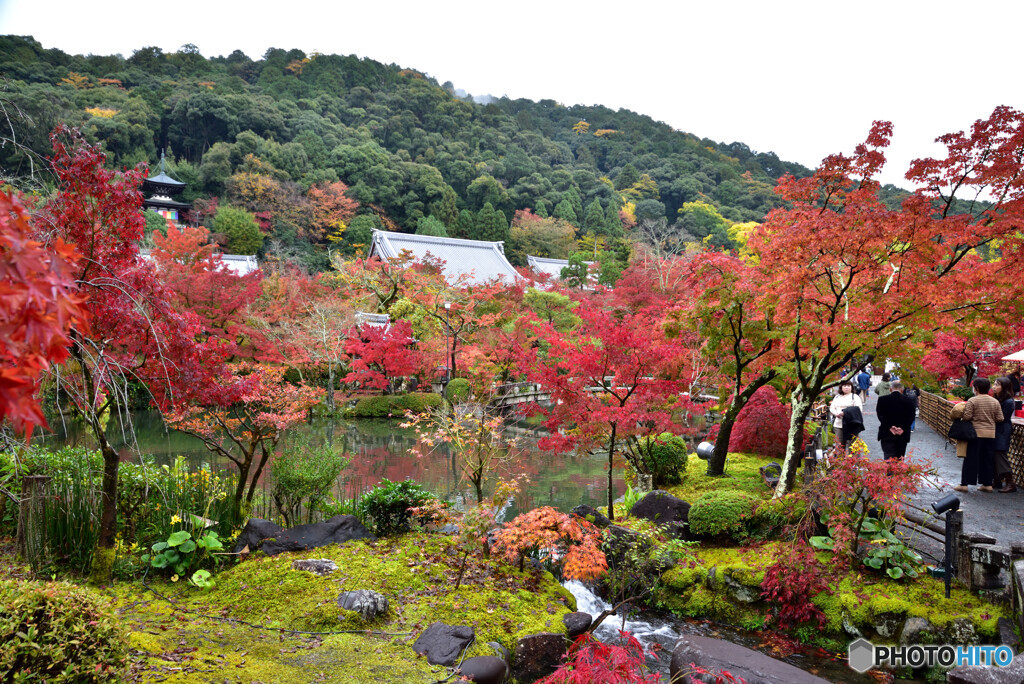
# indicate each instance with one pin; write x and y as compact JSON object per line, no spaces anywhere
{"x":722,"y":512}
{"x":394,"y":405}
{"x":303,"y":476}
{"x":385,"y":508}
{"x":762,"y":426}
{"x":664,"y":458}
{"x":458,"y":390}
{"x":57,"y":632}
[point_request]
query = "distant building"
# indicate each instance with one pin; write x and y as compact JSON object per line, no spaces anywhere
{"x":550,"y":267}
{"x":241,"y":264}
{"x":160,"y":188}
{"x":372,"y":319}
{"x":483,"y":261}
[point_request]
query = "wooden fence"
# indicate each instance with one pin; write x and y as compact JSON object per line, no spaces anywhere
{"x":935,"y":412}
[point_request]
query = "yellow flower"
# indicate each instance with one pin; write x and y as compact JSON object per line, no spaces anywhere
{"x":175,"y":519}
{"x":174,"y":578}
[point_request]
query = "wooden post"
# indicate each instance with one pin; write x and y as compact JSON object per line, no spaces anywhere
{"x":31,"y":540}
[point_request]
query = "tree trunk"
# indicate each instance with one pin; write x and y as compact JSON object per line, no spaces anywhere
{"x":801,"y":409}
{"x":264,"y":457}
{"x":330,"y":387}
{"x":103,"y":557}
{"x":611,"y":485}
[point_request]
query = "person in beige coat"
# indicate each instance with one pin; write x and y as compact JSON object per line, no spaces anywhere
{"x":983,"y":412}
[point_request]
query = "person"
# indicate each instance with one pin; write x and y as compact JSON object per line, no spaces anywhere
{"x":845,"y":399}
{"x":913,"y":392}
{"x":863,"y":383}
{"x":1015,"y":382}
{"x":895,"y":416}
{"x":983,"y":412}
{"x":1003,"y":391}
{"x":884,"y":386}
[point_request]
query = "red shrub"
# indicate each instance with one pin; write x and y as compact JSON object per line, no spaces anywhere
{"x":762,"y":426}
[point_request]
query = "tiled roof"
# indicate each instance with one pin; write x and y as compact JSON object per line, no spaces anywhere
{"x":552,"y":267}
{"x":373,"y":319}
{"x":484,"y":261}
{"x":242,"y":264}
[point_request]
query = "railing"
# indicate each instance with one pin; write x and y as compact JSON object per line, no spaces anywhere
{"x":935,"y":412}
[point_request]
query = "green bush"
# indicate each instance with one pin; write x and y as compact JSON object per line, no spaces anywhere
{"x":303,"y":476}
{"x":394,"y":405}
{"x":385,"y":508}
{"x":772,"y":515}
{"x":722,"y":512}
{"x":458,"y":390}
{"x":964,"y":393}
{"x":664,"y":457}
{"x":57,"y":632}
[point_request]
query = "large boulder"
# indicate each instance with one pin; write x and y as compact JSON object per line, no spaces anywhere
{"x":620,"y":540}
{"x":368,"y":604}
{"x":577,"y":623}
{"x":537,"y":655}
{"x":442,"y":643}
{"x":1014,"y":672}
{"x":337,"y":530}
{"x":592,"y":514}
{"x":662,"y":508}
{"x":483,"y":670}
{"x":716,"y":655}
{"x":256,"y":530}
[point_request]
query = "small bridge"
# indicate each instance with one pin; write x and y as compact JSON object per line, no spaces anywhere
{"x":512,"y":394}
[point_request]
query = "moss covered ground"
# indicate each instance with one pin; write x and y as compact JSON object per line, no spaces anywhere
{"x":741,"y":474}
{"x":197,"y":636}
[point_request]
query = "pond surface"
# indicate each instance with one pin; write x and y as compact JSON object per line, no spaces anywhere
{"x":378,"y":449}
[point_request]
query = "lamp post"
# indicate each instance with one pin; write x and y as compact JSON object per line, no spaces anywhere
{"x":950,"y":505}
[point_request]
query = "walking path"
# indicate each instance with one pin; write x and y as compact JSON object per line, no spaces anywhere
{"x":995,"y":514}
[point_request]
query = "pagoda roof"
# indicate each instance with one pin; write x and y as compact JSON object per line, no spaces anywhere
{"x":165,"y":203}
{"x":482,"y":261}
{"x":163,"y":179}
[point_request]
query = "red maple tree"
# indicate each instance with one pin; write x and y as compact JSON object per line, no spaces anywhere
{"x":380,"y":353}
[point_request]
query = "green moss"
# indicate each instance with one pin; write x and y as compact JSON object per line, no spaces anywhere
{"x":742,"y":475}
{"x":102,"y":566}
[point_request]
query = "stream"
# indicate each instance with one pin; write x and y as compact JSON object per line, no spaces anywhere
{"x":663,"y":631}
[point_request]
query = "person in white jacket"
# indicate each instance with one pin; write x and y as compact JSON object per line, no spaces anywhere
{"x":845,"y":399}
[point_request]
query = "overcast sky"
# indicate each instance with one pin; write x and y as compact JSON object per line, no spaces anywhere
{"x":803,"y":79}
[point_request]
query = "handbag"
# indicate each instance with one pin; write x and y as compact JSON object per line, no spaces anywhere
{"x":962,"y":430}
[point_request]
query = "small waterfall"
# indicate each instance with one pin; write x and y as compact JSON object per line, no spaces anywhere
{"x":647,"y":633}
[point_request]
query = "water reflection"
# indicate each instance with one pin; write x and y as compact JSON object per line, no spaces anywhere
{"x":378,"y":449}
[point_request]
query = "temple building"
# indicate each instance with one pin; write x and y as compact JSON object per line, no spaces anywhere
{"x":160,"y":189}
{"x":481,"y":261}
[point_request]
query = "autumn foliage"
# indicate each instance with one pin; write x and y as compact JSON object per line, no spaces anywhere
{"x":762,"y":426}
{"x":590,"y":660}
{"x":568,"y":541}
{"x":38,"y":307}
{"x":380,"y":354}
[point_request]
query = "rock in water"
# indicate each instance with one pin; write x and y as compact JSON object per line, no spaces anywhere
{"x":577,"y":623}
{"x":442,"y":643}
{"x":717,"y":655}
{"x":537,"y":655}
{"x":337,"y":530}
{"x":321,"y":567}
{"x":367,"y":603}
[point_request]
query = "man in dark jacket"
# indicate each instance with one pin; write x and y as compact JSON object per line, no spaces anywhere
{"x":895,"y":416}
{"x":863,"y":384}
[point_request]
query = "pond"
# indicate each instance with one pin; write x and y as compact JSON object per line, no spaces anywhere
{"x":378,"y":449}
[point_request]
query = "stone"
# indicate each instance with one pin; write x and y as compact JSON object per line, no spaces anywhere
{"x":367,"y":603}
{"x":914,"y":629}
{"x":1014,"y":673}
{"x":770,"y":473}
{"x":593,"y":515}
{"x":619,"y":541}
{"x":888,"y":625}
{"x":255,"y":531}
{"x":577,"y":623}
{"x":1007,"y":637}
{"x":483,"y":669}
{"x":849,"y":627}
{"x":662,"y":508}
{"x":337,"y":530}
{"x":717,"y":655}
{"x":442,"y":644}
{"x":961,"y":631}
{"x":739,"y":591}
{"x":537,"y":655}
{"x":321,"y":567}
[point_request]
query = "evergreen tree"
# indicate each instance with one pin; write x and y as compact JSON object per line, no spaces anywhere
{"x":491,"y":225}
{"x":429,"y":225}
{"x":593,"y":220}
{"x":445,"y":209}
{"x":241,"y":229}
{"x":541,"y":210}
{"x":627,"y":177}
{"x":573,"y":195}
{"x":613,"y":222}
{"x":575,"y":274}
{"x":564,"y":211}
{"x":465,"y":226}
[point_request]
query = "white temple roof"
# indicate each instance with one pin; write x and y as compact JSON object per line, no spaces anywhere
{"x":485,"y":261}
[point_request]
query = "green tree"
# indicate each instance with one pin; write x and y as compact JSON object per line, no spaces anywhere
{"x":627,"y":177}
{"x":241,"y":229}
{"x":613,"y":222}
{"x":428,"y":225}
{"x":703,"y":221}
{"x":573,"y":195}
{"x":575,"y":274}
{"x":465,"y":226}
{"x":445,"y":209}
{"x":593,"y":220}
{"x":491,"y":225}
{"x":564,"y":211}
{"x":542,"y":210}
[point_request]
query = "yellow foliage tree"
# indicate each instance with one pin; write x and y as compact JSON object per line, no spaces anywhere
{"x":581,"y":127}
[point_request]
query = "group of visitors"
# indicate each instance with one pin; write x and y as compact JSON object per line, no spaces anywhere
{"x":984,"y":454}
{"x":896,"y":410}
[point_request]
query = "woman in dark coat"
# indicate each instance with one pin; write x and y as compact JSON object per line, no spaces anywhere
{"x":1003,"y":391}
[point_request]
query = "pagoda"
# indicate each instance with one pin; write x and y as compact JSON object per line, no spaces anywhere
{"x":160,"y":188}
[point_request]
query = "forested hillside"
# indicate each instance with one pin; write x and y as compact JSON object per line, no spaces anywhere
{"x":319,"y":149}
